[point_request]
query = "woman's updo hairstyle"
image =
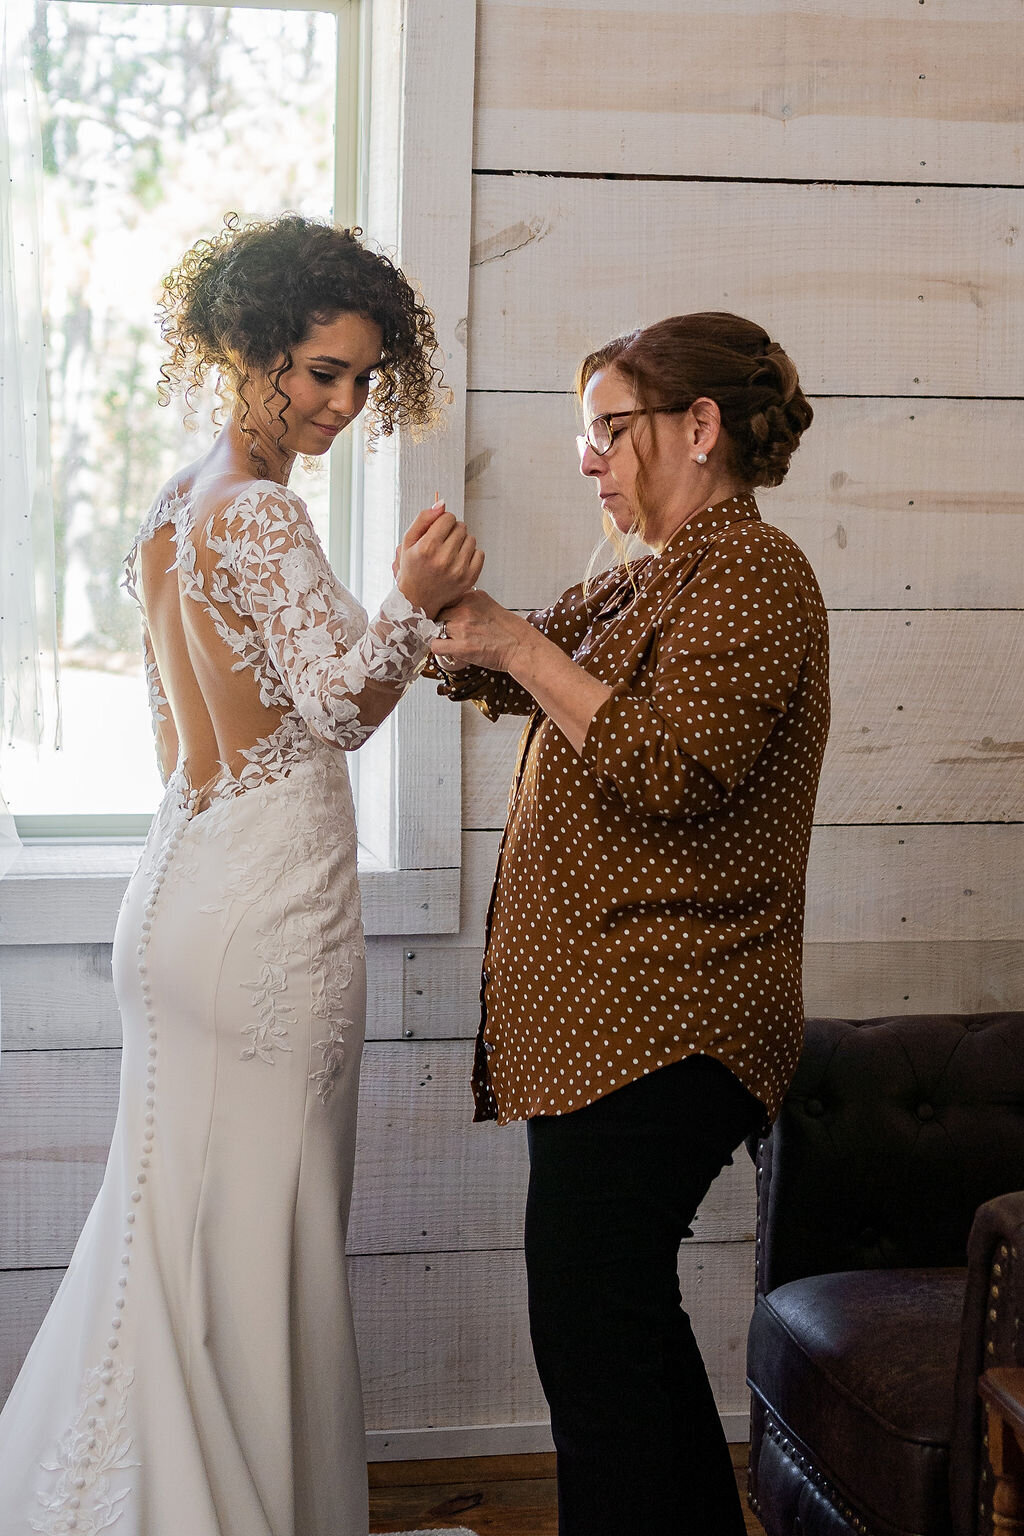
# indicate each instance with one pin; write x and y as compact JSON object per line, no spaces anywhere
{"x":240,"y":301}
{"x":723,"y":358}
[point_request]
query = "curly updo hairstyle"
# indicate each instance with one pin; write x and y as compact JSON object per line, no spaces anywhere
{"x":241,"y":300}
{"x":719,"y":357}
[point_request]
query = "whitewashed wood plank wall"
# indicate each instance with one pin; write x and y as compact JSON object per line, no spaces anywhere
{"x":850,"y":174}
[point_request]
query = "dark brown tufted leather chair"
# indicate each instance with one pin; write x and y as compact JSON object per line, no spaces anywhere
{"x":876,"y":1312}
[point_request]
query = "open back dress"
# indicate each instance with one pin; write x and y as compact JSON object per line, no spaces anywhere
{"x":196,"y":1374}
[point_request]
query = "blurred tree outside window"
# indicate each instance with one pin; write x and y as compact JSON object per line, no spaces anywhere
{"x":157,"y":120}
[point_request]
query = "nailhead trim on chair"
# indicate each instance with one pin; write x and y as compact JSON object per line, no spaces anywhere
{"x":775,"y":1432}
{"x":993,"y":1315}
{"x":1006,"y":1253}
{"x":1007,"y":1256}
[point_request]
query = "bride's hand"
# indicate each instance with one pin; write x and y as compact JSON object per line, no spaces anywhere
{"x":437,"y":562}
{"x":417,"y":529}
{"x":480,"y":632}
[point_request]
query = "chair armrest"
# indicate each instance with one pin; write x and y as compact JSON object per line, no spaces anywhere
{"x":992,"y":1334}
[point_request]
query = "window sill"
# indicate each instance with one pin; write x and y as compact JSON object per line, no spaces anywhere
{"x":68,"y":892}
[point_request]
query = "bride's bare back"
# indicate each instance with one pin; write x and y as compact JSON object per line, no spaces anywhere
{"x":254,"y":649}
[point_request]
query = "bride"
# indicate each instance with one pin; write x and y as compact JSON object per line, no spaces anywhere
{"x":197,"y":1374}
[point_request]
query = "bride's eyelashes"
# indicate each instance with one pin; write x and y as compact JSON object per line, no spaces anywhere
{"x":364,"y":380}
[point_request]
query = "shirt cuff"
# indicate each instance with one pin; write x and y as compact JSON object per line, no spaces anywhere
{"x":598,"y":744}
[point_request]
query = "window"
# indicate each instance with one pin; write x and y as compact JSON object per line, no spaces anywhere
{"x":157,"y":120}
{"x":413,"y":68}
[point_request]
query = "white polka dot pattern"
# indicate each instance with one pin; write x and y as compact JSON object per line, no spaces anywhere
{"x":650,"y":893}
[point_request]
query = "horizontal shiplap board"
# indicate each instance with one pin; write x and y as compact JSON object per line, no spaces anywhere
{"x":55,"y":996}
{"x":915,"y":884}
{"x":464,"y":1440}
{"x":444,"y":1337}
{"x":442,"y":998}
{"x":25,"y":1296}
{"x":888,"y":515}
{"x":928,"y":718}
{"x":488,"y":760}
{"x":427,"y":1178}
{"x":874,"y":290}
{"x":57,"y":1113}
{"x":927,"y":724}
{"x":803,"y":89}
{"x":868,"y":981}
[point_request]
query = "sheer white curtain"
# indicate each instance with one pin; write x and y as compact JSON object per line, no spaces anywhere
{"x":29,"y":683}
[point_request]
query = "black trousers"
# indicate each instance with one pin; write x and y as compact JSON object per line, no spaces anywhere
{"x":613,"y":1190}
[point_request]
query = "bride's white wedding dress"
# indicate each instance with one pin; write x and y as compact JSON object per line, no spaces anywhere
{"x":197,"y":1374}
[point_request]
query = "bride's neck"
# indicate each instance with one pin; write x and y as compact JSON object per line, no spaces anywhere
{"x":249,"y":455}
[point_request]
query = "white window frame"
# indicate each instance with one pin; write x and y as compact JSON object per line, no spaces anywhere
{"x":404,"y":172}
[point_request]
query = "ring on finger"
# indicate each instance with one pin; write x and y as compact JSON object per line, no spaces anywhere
{"x":449,"y":663}
{"x":442,"y":629}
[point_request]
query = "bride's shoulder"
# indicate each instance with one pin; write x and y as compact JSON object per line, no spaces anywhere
{"x":165,"y":511}
{"x":267,"y":498}
{"x":172,"y":497}
{"x":254,"y":512}
{"x":179,"y":486}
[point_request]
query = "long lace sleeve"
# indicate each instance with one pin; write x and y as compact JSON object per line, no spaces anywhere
{"x":343,"y":673}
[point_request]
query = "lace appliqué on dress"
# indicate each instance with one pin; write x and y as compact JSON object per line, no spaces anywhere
{"x":159,"y":514}
{"x":154,"y":689}
{"x":279,"y":857}
{"x":86,"y":1498}
{"x":250,"y":871}
{"x":333,"y":675}
{"x":167,"y":510}
{"x":333,"y":1049}
{"x":269,"y":1032}
{"x":330,"y":987}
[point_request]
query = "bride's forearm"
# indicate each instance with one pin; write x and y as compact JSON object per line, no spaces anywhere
{"x":564,"y":691}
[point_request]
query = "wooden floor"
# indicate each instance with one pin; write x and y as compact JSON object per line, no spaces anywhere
{"x":490,"y":1495}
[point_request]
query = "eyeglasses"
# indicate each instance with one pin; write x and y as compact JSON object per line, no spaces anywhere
{"x":600,"y":434}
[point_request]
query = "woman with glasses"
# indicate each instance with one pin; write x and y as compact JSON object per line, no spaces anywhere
{"x":642,"y":1000}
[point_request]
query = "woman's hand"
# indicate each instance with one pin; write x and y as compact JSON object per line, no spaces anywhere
{"x":481,"y":633}
{"x":437,"y":562}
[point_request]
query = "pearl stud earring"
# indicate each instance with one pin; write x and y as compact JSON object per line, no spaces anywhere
{"x":702,"y":458}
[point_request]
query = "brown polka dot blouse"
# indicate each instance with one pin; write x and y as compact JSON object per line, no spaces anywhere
{"x":649,"y":897}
